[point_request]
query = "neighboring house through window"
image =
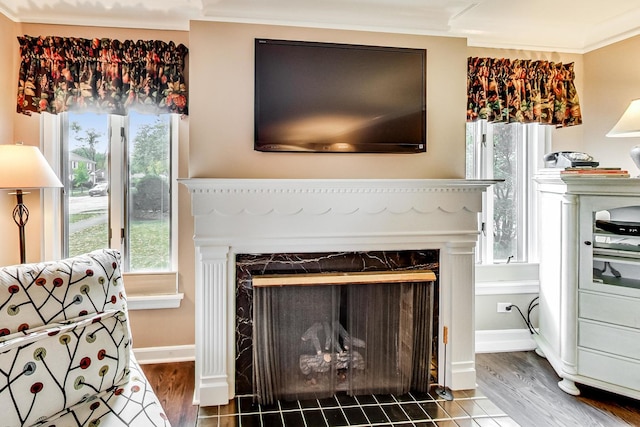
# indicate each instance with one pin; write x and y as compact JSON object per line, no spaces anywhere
{"x":82,"y":166}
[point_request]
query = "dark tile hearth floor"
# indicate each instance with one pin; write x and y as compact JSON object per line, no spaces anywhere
{"x":469,"y":408}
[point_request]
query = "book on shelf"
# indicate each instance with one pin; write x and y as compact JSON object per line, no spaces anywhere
{"x":590,"y":168}
{"x":595,"y":171}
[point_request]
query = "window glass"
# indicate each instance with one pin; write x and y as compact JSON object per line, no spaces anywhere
{"x":87,"y":183}
{"x":506,"y":194}
{"x":118,"y":187}
{"x":149,"y":204}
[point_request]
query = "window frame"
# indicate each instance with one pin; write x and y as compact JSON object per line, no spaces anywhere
{"x":164,"y":293}
{"x":533,"y":140}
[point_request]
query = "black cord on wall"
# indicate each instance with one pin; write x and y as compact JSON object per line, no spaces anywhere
{"x":527,"y":320}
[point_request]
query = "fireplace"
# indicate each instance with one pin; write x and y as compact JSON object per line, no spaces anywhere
{"x":381,"y":297}
{"x":280,"y":216}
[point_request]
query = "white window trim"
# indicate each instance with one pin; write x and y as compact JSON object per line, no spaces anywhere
{"x":51,"y":249}
{"x":148,"y":291}
{"x":486,"y":163}
{"x":507,"y":279}
{"x":154,"y":302}
{"x":52,"y":198}
{"x":527,"y":208}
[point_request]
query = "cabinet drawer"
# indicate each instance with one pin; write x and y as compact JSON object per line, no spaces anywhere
{"x":604,"y":367}
{"x":614,"y":309}
{"x":609,"y":338}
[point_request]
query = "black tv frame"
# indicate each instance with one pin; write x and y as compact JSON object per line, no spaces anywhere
{"x":296,"y":64}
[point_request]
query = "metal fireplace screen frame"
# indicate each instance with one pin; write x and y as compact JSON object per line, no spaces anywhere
{"x":314,"y":336}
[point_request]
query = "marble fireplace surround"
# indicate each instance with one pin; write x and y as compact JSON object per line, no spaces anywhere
{"x":251,"y":216}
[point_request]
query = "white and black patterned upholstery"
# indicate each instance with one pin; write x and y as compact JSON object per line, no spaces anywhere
{"x":65,"y":347}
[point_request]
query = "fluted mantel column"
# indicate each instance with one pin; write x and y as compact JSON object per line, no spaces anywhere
{"x":213,"y":321}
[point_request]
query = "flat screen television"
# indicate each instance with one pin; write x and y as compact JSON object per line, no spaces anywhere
{"x":327,"y":97}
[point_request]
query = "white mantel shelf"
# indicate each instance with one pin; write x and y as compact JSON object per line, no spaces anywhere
{"x":235,"y":216}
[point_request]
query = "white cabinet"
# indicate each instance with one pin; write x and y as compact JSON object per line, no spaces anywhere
{"x":589,"y":319}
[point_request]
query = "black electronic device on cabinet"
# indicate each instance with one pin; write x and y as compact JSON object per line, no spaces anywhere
{"x":569,"y":159}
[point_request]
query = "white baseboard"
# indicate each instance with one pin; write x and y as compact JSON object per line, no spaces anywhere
{"x":497,"y":341}
{"x":178,"y":353}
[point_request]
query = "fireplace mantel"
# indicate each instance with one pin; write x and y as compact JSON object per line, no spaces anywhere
{"x":236,"y":216}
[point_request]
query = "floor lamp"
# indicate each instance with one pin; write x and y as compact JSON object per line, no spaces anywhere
{"x":24,"y":167}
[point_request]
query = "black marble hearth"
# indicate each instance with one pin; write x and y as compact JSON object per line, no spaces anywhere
{"x":249,"y":265}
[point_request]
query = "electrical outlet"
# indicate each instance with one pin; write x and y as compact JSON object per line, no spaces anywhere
{"x":504,"y":307}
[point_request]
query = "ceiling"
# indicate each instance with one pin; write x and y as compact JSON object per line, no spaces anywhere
{"x":549,"y":25}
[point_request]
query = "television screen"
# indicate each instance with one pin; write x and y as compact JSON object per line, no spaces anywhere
{"x":326,"y":97}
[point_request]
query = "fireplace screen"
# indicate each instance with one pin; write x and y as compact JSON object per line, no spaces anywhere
{"x":312,"y":340}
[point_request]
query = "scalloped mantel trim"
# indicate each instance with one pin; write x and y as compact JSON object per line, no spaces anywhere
{"x":288,"y":196}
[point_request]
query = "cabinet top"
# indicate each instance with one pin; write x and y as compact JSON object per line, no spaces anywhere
{"x":550,"y":180}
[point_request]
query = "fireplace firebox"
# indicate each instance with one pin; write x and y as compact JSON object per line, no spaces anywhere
{"x":333,"y":297}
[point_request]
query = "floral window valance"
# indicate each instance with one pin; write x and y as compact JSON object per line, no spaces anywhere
{"x":60,"y":74}
{"x":525,"y":91}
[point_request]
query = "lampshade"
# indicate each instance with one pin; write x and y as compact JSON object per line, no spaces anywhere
{"x":24,"y":166}
{"x":629,"y":123}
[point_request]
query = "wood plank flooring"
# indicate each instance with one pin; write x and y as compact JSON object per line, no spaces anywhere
{"x":525,"y":386}
{"x":522,"y":384}
{"x":174,"y":383}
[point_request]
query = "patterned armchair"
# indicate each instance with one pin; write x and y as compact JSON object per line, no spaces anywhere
{"x":65,"y":347}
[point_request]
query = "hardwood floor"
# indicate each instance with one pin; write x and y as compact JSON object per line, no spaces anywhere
{"x":173,"y":383}
{"x":522,"y":384}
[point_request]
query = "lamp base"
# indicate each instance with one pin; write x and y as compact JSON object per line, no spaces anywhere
{"x":635,"y":155}
{"x":20,"y":217}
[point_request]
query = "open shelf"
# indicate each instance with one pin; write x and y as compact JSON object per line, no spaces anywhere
{"x":621,"y":282}
{"x":613,"y":250}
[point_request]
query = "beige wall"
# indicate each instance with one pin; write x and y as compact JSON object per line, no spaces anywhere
{"x":570,"y":138}
{"x":150,"y":328}
{"x":7,"y":77}
{"x":8,"y":86}
{"x":221,"y":108}
{"x":613,"y":74}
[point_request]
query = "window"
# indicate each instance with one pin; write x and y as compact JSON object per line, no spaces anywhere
{"x":119,"y":175}
{"x":512,"y":153}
